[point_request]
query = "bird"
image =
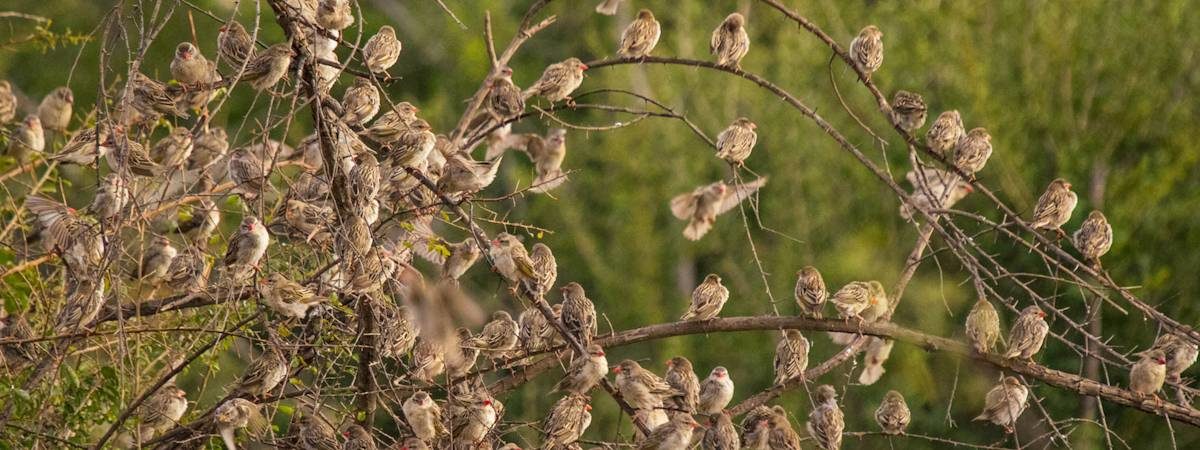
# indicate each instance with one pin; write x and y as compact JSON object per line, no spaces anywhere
{"x":716,"y":392}
{"x":156,"y":262}
{"x":1028,"y":333}
{"x":208,"y":146}
{"x":129,"y":155}
{"x":584,"y":373}
{"x":640,"y":37}
{"x":188,"y":273}
{"x":428,"y":361}
{"x":866,"y":50}
{"x":1054,"y":207}
{"x":826,"y":421}
{"x":382,"y":50}
{"x":465,"y":175}
{"x":234,"y":44}
{"x":682,"y":378}
{"x":412,"y":146}
{"x":363,"y":180}
{"x":756,"y":428}
{"x":266,"y":68}
{"x":702,"y":206}
{"x":334,"y":14}
{"x":564,"y":424}
{"x":1180,"y":353}
{"x":189,"y":66}
{"x":707,"y":299}
{"x":893,"y":415}
{"x":247,"y":246}
{"x":504,"y":98}
{"x":673,"y":435}
{"x":400,"y":335}
{"x":513,"y":263}
{"x":28,"y":137}
{"x":158,"y":413}
{"x":545,"y":267}
{"x":85,"y":146}
{"x":84,"y":300}
{"x":424,"y":417}
{"x":499,"y":336}
{"x":608,"y":7}
{"x":357,"y":438}
{"x":641,"y":388}
{"x":173,"y":150}
{"x":852,"y":299}
{"x":781,"y":435}
{"x":238,"y":413}
{"x":908,"y":110}
{"x":311,"y":431}
{"x":983,"y":326}
{"x":390,"y":125}
{"x":150,"y":99}
{"x":877,"y":353}
{"x":720,"y":433}
{"x":62,"y":226}
{"x":972,"y":151}
{"x":55,"y":109}
{"x":791,"y":356}
{"x":934,"y":189}
{"x":462,"y":256}
{"x":547,"y":155}
{"x":578,"y":313}
{"x":14,"y":357}
{"x":473,"y":418}
{"x":558,"y":81}
{"x":288,"y":298}
{"x":265,"y":373}
{"x":729,"y":42}
{"x":203,"y":221}
{"x":247,"y":173}
{"x":1094,"y":237}
{"x":8,"y":103}
{"x":810,"y":291}
{"x":735,"y":143}
{"x":945,"y":132}
{"x":1146,"y":377}
{"x":360,"y":102}
{"x":533,"y":326}
{"x":1004,"y":403}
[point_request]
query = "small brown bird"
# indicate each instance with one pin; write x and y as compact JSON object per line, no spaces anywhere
{"x":156,"y":262}
{"x":1094,"y":237}
{"x":62,"y":226}
{"x":382,"y":50}
{"x":682,"y":378}
{"x":558,"y":81}
{"x":412,"y":145}
{"x":735,"y":143}
{"x":826,"y":422}
{"x":877,"y":353}
{"x":461,"y":174}
{"x":565,"y":422}
{"x":55,"y":109}
{"x":720,"y":434}
{"x":84,"y":300}
{"x":547,"y":155}
{"x":287,"y":297}
{"x":640,"y":387}
{"x":810,"y":291}
{"x":934,"y":189}
{"x":1005,"y":403}
{"x":311,"y":431}
{"x":398,"y":338}
{"x":1054,"y":207}
{"x":8,"y":103}
{"x":673,"y":435}
{"x":781,"y":436}
{"x":867,"y":50}
{"x":247,"y":173}
{"x":393,"y":122}
{"x":247,"y":246}
{"x":545,"y":267}
{"x":909,"y":110}
{"x":424,"y":417}
{"x":174,"y":149}
{"x":1148,"y":374}
{"x":504,"y":98}
{"x":265,"y":373}
{"x":191,"y":67}
{"x":499,"y":336}
{"x":188,"y":273}
{"x":715,"y":392}
{"x":84,"y":148}
{"x":893,"y":415}
{"x":238,"y":413}
{"x":1028,"y":333}
{"x":702,"y":206}
{"x":266,"y":68}
{"x":944,"y":134}
{"x":234,"y":45}
{"x":129,"y":155}
{"x":584,"y":373}
{"x":357,"y":438}
{"x":334,"y":14}
{"x":473,"y":418}
{"x":729,"y":42}
{"x":1180,"y":353}
{"x":608,"y":7}
{"x":150,"y":99}
{"x":791,"y":356}
{"x":707,"y":299}
{"x":853,"y":299}
{"x":158,"y":413}
{"x":578,"y":313}
{"x":640,"y":37}
{"x":363,"y":180}
{"x":972,"y":151}
{"x":756,"y":428}
{"x":533,"y":325}
{"x":462,"y":256}
{"x":513,"y":263}
{"x":208,"y":146}
{"x":360,"y":102}
{"x":983,"y":326}
{"x":28,"y":137}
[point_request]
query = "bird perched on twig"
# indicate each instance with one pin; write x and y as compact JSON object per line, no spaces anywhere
{"x":499,"y":336}
{"x":246,"y":247}
{"x":641,"y":388}
{"x":174,"y":149}
{"x":791,"y":356}
{"x":729,"y":42}
{"x":55,"y":109}
{"x":85,"y":147}
{"x":983,"y":326}
{"x":28,"y":137}
{"x":566,"y":422}
{"x":826,"y":422}
{"x":188,"y":273}
{"x":558,"y":81}
{"x":1180,"y":353}
{"x":735,"y":143}
{"x":357,"y":438}
{"x":462,"y":174}
{"x":1054,"y":207}
{"x":944,"y":134}
{"x":547,"y":154}
{"x":1146,"y":377}
{"x":756,"y":428}
{"x":158,"y":413}
{"x":853,"y":299}
{"x":682,"y":378}
{"x":424,"y":417}
{"x":265,"y":373}
{"x":189,"y":66}
{"x":972,"y":151}
{"x":238,"y":413}
{"x":208,"y":146}
{"x":584,"y":373}
{"x":266,"y":68}
{"x":150,"y":99}
{"x":578,"y":313}
{"x":504,"y":98}
{"x":234,"y":44}
{"x":866,"y":50}
{"x":893,"y":415}
{"x":1094,"y":237}
{"x":934,"y":189}
{"x":781,"y":435}
{"x":715,"y":392}
{"x":640,"y":37}
{"x":287,"y":297}
{"x":909,"y":110}
{"x":702,"y":206}
{"x":360,"y":102}
{"x":1005,"y":403}
{"x":673,"y":435}
{"x":720,"y":433}
{"x":156,"y":262}
{"x":707,"y":299}
{"x":1027,"y":334}
{"x":810,"y":292}
{"x":382,"y":50}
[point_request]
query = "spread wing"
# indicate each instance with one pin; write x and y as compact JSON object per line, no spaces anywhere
{"x":737,"y":193}
{"x":684,"y":205}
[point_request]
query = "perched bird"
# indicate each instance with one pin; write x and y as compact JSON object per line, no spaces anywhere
{"x":564,"y":423}
{"x":150,"y":98}
{"x":1028,"y":333}
{"x":513,"y":263}
{"x":893,"y":415}
{"x":84,"y":300}
{"x":756,"y":428}
{"x":412,"y":146}
{"x":311,"y":431}
{"x":1094,"y":237}
{"x":156,"y":262}
{"x":247,"y":246}
{"x":364,"y":179}
{"x":411,"y":443}
{"x":715,"y":392}
{"x":810,"y":291}
{"x":729,"y":42}
{"x":682,"y":378}
{"x":55,"y":109}
{"x":357,"y":438}
{"x":558,"y":81}
{"x":390,"y":125}
{"x":424,"y":416}
{"x":1054,"y":207}
{"x":1005,"y":403}
{"x":28,"y":137}
{"x":287,"y":297}
{"x":188,"y":273}
{"x":174,"y":149}
{"x":877,"y":353}
{"x":972,"y":151}
{"x":85,"y":147}
{"x":1180,"y":353}
{"x":781,"y":435}
{"x":867,"y":50}
{"x":208,"y":146}
{"x":707,"y":299}
{"x":532,"y":326}
{"x":1148,"y":374}
{"x":673,"y":435}
{"x":200,"y":225}
{"x":158,"y":413}
{"x":8,"y":103}
{"x":641,"y":388}
{"x":266,"y":372}
{"x":584,"y":373}
{"x":791,"y":356}
{"x":334,"y":14}
{"x":908,"y":110}
{"x":266,"y":68}
{"x":400,"y":335}
{"x":465,"y":175}
{"x":129,"y":155}
{"x":826,"y":422}
{"x":944,"y":134}
{"x":428,"y":360}
{"x":853,"y":298}
{"x":608,"y":7}
{"x":720,"y":433}
{"x":191,"y":67}
{"x":382,"y":50}
{"x":462,"y":256}
{"x":983,"y":326}
{"x":547,"y":155}
{"x":473,"y":419}
{"x":640,"y":37}
{"x":702,"y":206}
{"x":234,"y":44}
{"x":247,"y":173}
{"x":238,"y":413}
{"x":545,"y":267}
{"x":360,"y":102}
{"x":15,"y":356}
{"x":504,"y":98}
{"x":578,"y":313}
{"x":934,"y":189}
{"x":63,"y":228}
{"x":499,"y":336}
{"x":735,"y":143}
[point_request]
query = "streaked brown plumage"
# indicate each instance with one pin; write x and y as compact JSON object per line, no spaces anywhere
{"x":247,"y":173}
{"x":781,"y":435}
{"x":973,"y":150}
{"x":682,"y":378}
{"x":28,"y":137}
{"x":360,"y":102}
{"x":909,"y":110}
{"x":8,"y":103}
{"x":707,"y":299}
{"x":558,"y":81}
{"x":1180,"y":353}
{"x":944,"y":133}
{"x":504,"y":98}
{"x":247,"y":246}
{"x":720,"y":433}
{"x":288,"y":298}
{"x":564,"y":424}
{"x":547,"y":154}
{"x":893,"y":415}
{"x":641,"y":388}
{"x":1094,"y":237}
{"x":640,"y":37}
{"x":877,"y":353}
{"x":150,"y":98}
{"x":188,"y":273}
{"x":934,"y":189}
{"x":545,"y":267}
{"x":334,"y":14}
{"x":238,"y":413}
{"x":156,"y":261}
{"x":382,"y":50}
{"x":174,"y":149}
{"x":1054,"y":207}
{"x":1028,"y":333}
{"x":735,"y":143}
{"x":852,"y":299}
{"x":84,"y":300}
{"x":729,"y":42}
{"x":357,"y":438}
{"x":702,"y":206}
{"x":578,"y":314}
{"x":234,"y":44}
{"x":158,"y":413}
{"x":55,"y":109}
{"x":1005,"y":403}
{"x":791,"y":356}
{"x":424,"y":417}
{"x":265,"y":372}
{"x":867,"y":50}
{"x":584,"y":373}
{"x":673,"y":435}
{"x":499,"y":336}
{"x":411,"y":145}
{"x":810,"y":292}
{"x":983,"y":326}
{"x":826,"y":422}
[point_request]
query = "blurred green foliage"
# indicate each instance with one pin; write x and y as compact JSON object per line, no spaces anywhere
{"x":1100,"y":93}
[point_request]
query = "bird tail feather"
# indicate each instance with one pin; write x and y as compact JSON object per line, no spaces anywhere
{"x":696,"y":229}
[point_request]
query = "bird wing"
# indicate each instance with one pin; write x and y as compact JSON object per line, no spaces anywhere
{"x":739,"y":193}
{"x":684,"y":205}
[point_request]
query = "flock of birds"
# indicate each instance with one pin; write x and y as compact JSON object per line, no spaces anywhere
{"x":374,"y":250}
